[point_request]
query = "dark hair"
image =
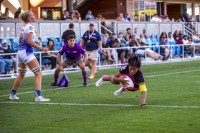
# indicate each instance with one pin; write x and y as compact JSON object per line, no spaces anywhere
{"x":70,"y":37}
{"x":128,"y":29}
{"x":135,"y":61}
{"x":50,"y":48}
{"x":71,"y":25}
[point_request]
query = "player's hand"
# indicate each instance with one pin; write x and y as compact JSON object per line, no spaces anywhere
{"x":44,"y":49}
{"x":124,"y":82}
{"x":61,"y":68}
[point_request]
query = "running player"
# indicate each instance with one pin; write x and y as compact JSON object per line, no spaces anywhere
{"x":73,"y":53}
{"x":27,"y":58}
{"x":134,"y":72}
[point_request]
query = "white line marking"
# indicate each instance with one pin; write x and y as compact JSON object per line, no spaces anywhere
{"x":52,"y":89}
{"x":105,"y":105}
{"x":59,"y":88}
{"x":151,"y":76}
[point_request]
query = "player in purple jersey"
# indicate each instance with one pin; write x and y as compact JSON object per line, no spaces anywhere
{"x":134,"y":72}
{"x":73,"y":53}
{"x":27,"y":58}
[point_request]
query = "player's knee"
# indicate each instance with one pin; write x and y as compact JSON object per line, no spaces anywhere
{"x":22,"y":71}
{"x":36,"y":70}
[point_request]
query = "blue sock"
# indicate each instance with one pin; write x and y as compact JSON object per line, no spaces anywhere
{"x":38,"y":92}
{"x":13,"y":92}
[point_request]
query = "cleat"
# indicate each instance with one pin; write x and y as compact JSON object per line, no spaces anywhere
{"x":118,"y":92}
{"x":100,"y":82}
{"x":41,"y":99}
{"x":54,"y":84}
{"x":92,"y":76}
{"x":13,"y":97}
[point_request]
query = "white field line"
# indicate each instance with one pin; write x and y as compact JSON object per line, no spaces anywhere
{"x":52,"y":89}
{"x":60,"y":88}
{"x":104,"y":105}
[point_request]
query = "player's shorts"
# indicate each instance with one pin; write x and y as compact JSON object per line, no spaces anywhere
{"x":93,"y":55}
{"x":71,"y":62}
{"x":25,"y":57}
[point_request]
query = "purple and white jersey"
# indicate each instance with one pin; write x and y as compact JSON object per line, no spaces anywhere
{"x":72,"y":53}
{"x":27,"y":28}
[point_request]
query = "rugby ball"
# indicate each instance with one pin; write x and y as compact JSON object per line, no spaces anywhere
{"x":130,"y":81}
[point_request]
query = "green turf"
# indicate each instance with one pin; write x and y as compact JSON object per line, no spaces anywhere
{"x":169,"y":85}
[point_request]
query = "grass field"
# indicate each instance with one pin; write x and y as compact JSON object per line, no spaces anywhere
{"x":173,"y":104}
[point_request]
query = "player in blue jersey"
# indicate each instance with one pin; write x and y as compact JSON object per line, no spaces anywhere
{"x":73,"y":54}
{"x":133,"y":71}
{"x":27,"y":58}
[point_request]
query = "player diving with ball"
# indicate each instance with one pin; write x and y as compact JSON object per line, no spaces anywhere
{"x":133,"y":71}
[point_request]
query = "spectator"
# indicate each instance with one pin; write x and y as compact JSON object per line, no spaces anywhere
{"x":166,"y":19}
{"x":163,"y":34}
{"x":50,"y":55}
{"x":2,"y":65}
{"x":163,"y":48}
{"x":185,"y":17}
{"x":114,"y":43}
{"x":141,"y":51}
{"x":18,"y":12}
{"x":135,"y":32}
{"x":155,"y":18}
{"x":180,"y":39}
{"x":6,"y":13}
{"x":66,"y":15}
{"x":128,"y":34}
{"x":191,"y":48}
{"x":106,"y":52}
{"x":68,"y":32}
{"x":170,"y":38}
{"x":120,"y":17}
{"x":89,"y":15}
{"x":195,"y":37}
{"x":9,"y":58}
{"x":100,"y":17}
{"x":176,"y":35}
{"x":91,"y":40}
{"x":75,"y":15}
{"x":185,"y":39}
{"x":126,"y":17}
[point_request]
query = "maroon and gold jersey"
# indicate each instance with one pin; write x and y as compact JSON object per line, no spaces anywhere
{"x":137,"y":78}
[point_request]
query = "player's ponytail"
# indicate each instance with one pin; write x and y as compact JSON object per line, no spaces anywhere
{"x":24,"y":16}
{"x":135,"y":61}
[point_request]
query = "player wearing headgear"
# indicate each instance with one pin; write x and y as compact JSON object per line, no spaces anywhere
{"x":73,"y":53}
{"x":27,"y":58}
{"x":133,"y":71}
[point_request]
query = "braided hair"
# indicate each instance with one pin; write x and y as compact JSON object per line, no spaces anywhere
{"x":135,"y":61}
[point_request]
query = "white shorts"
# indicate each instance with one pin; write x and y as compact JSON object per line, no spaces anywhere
{"x":149,"y":50}
{"x":25,"y":58}
{"x":93,"y":55}
{"x":140,"y":52}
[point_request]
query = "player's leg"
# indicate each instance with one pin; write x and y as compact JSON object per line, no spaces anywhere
{"x":93,"y":64}
{"x":34,"y":67}
{"x":81,"y":64}
{"x":57,"y":71}
{"x":104,"y":79}
{"x":18,"y":80}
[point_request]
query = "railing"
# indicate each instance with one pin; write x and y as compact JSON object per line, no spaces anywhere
{"x":115,"y":64}
{"x":47,"y":28}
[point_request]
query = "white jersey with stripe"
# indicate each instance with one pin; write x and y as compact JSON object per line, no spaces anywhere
{"x":27,"y":28}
